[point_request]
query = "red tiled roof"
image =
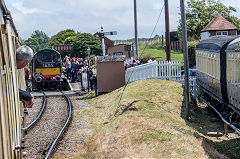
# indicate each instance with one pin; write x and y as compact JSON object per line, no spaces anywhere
{"x":219,"y":23}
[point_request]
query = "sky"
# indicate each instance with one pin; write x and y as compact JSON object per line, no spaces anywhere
{"x":87,"y":16}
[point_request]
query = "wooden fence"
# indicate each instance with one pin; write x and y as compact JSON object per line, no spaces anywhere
{"x":11,"y":80}
{"x":159,"y":70}
{"x":176,"y":45}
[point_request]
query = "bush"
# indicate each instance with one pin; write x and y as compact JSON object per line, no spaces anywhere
{"x":145,"y":58}
{"x":191,"y":53}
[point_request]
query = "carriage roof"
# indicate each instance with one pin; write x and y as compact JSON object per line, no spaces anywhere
{"x":215,"y":43}
{"x":234,"y":46}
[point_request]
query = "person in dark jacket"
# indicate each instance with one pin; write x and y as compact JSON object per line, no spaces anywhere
{"x":73,"y":72}
{"x":94,"y":81}
{"x":90,"y":74}
{"x":24,"y":55}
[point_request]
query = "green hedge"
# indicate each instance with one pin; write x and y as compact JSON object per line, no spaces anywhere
{"x":191,"y":53}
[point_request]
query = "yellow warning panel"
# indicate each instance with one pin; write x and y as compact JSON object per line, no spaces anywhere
{"x":48,"y":71}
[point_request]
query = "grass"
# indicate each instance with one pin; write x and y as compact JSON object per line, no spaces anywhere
{"x":160,"y":55}
{"x":150,"y":122}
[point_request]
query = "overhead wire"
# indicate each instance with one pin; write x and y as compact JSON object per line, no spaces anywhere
{"x":155,"y":26}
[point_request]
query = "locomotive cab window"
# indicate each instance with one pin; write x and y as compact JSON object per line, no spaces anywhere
{"x":47,"y":59}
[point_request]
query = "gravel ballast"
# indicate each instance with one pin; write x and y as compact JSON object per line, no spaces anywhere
{"x":38,"y":139}
{"x":42,"y":134}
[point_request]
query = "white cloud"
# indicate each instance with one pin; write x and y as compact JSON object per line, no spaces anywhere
{"x":52,"y":16}
{"x":157,"y":6}
{"x":19,"y":6}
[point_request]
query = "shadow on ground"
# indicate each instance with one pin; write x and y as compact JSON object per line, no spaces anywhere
{"x":203,"y":120}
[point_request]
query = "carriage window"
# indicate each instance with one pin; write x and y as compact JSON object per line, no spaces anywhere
{"x":235,"y":76}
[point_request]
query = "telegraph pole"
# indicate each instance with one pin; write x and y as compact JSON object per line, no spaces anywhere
{"x":136,"y":31}
{"x":168,"y":48}
{"x":186,"y":62}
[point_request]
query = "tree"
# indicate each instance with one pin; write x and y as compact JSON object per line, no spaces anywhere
{"x":200,"y":12}
{"x":84,"y":40}
{"x":61,"y":36}
{"x":38,"y":40}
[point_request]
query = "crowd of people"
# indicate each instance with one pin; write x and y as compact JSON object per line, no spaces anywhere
{"x":74,"y":68}
{"x":132,"y":64}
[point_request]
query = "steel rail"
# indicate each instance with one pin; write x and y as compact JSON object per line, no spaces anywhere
{"x":63,"y":128}
{"x":222,"y":118}
{"x":39,"y":115}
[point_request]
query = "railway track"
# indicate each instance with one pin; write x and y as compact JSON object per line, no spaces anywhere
{"x":29,"y":126}
{"x":42,"y":136}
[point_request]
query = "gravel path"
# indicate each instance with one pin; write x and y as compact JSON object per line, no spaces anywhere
{"x":78,"y":131}
{"x":43,"y":133}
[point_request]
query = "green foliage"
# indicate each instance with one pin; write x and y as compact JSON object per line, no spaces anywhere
{"x":61,"y":37}
{"x":81,"y":43}
{"x":38,"y":40}
{"x":70,"y":39}
{"x":200,"y":12}
{"x":191,"y":53}
{"x":229,"y":148}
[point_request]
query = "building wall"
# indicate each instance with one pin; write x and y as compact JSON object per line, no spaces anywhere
{"x":119,"y":48}
{"x":232,"y":32}
{"x":212,"y":33}
{"x":108,"y":43}
{"x":205,"y":35}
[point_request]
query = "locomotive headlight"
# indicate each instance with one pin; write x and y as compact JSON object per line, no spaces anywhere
{"x":57,"y":78}
{"x":38,"y":79}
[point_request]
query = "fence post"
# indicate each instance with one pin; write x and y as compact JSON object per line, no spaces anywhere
{"x":195,"y":87}
{"x":169,"y":70}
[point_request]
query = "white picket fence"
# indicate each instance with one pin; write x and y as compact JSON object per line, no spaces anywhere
{"x":154,"y":70}
{"x":159,"y":70}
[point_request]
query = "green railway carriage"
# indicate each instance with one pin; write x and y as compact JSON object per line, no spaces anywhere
{"x":217,"y":62}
